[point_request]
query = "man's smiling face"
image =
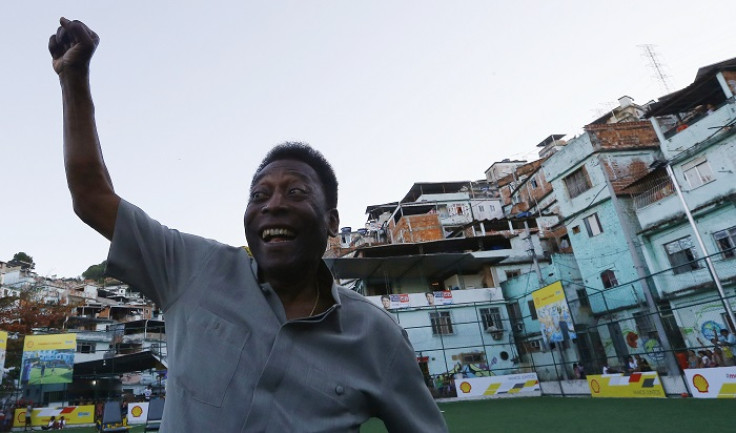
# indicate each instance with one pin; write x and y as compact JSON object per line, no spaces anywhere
{"x":287,"y":220}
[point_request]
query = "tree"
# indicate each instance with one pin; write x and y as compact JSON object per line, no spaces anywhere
{"x":21,"y":315}
{"x":96,"y":272}
{"x":23,"y":260}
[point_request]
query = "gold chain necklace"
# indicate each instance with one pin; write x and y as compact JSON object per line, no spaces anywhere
{"x":316,"y":301}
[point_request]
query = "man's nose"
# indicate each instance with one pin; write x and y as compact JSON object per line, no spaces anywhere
{"x":275,"y":202}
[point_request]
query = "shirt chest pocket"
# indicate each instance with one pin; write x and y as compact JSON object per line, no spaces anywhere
{"x":210,"y":359}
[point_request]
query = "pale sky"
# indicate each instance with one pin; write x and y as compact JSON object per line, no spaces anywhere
{"x":191,"y":95}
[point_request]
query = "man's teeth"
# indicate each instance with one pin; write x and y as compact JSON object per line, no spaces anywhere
{"x":272,"y":233}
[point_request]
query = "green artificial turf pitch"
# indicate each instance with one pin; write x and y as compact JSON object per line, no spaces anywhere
{"x":585,"y":415}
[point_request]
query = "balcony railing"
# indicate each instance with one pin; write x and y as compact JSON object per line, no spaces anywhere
{"x":659,"y":191}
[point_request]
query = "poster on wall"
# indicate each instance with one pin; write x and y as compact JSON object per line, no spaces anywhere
{"x":635,"y":385}
{"x":443,"y":297}
{"x":513,"y":385}
{"x":553,"y":313}
{"x":48,"y":359}
{"x":393,"y":302}
{"x":719,"y":382}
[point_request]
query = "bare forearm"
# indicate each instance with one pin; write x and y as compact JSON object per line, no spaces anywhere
{"x":95,"y":201}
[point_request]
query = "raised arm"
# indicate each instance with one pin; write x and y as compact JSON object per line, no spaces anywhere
{"x":93,"y":196}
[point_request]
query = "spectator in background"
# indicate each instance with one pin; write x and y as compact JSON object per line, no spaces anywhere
{"x":642,"y":363}
{"x":29,"y":412}
{"x":703,"y":359}
{"x":727,"y":341}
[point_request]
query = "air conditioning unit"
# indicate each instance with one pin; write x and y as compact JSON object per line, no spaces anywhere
{"x":535,"y":344}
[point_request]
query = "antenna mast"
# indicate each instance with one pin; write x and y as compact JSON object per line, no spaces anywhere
{"x":655,"y":64}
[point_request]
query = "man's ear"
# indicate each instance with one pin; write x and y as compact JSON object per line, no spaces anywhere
{"x":333,"y":222}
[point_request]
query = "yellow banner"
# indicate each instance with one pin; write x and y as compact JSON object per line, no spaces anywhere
{"x":548,"y":295}
{"x":3,"y":340}
{"x":636,"y":385}
{"x":40,"y":416}
{"x":50,"y":342}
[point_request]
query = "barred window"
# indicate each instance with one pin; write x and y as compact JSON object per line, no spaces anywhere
{"x":491,"y":317}
{"x":441,"y":323}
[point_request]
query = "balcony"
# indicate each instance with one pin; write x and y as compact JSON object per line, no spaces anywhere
{"x":662,"y":189}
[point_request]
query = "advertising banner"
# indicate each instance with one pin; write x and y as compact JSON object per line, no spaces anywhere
{"x":636,"y":385}
{"x":137,"y":413}
{"x":48,"y":359}
{"x":443,"y":297}
{"x":73,"y":415}
{"x":719,"y":382}
{"x":3,"y":349}
{"x":513,"y":385}
{"x":553,"y":313}
{"x":399,"y":301}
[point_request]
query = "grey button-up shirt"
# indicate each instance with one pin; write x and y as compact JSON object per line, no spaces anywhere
{"x":237,"y":365}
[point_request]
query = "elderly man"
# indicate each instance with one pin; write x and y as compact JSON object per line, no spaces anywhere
{"x":268,"y":344}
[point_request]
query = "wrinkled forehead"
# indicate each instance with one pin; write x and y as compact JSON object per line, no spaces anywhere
{"x":287,"y":168}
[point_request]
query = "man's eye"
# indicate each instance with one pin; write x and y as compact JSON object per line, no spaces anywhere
{"x":257,"y":195}
{"x":297,"y":191}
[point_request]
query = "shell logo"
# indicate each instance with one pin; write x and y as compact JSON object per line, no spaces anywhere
{"x":595,"y":386}
{"x":700,"y":383}
{"x":465,"y":387}
{"x":137,"y":411}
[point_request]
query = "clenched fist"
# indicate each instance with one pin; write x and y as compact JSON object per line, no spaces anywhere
{"x":72,"y":46}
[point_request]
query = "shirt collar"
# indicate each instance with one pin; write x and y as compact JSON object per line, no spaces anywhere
{"x":331,"y":315}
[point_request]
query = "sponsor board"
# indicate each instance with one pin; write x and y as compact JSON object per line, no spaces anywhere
{"x":41,"y":415}
{"x":137,"y":413}
{"x":513,"y":385}
{"x":718,"y":382}
{"x":636,"y":385}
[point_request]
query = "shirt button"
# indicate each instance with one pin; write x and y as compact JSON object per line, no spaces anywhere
{"x":339,"y":390}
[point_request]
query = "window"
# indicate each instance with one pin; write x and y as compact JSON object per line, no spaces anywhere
{"x":473,"y":358}
{"x":534,"y":183}
{"x":576,"y":230}
{"x":577,"y":182}
{"x":644,"y":324}
{"x":583,"y":297}
{"x":681,"y":254}
{"x":490,"y":317}
{"x":85,"y":348}
{"x":697,"y":172}
{"x":512,"y":273}
{"x":609,"y":279}
{"x":441,"y":323}
{"x":593,"y":225}
{"x":480,"y":208}
{"x":459,"y":210}
{"x":726,"y":241}
{"x":532,"y":310}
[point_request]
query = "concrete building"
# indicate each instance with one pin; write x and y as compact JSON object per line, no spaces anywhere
{"x":699,"y":148}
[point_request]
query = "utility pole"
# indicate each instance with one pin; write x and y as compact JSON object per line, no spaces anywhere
{"x":708,"y":261}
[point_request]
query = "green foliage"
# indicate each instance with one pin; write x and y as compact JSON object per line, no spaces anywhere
{"x":95,"y":272}
{"x":22,"y":259}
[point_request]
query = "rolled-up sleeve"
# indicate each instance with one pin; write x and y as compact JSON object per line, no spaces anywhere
{"x":150,"y":257}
